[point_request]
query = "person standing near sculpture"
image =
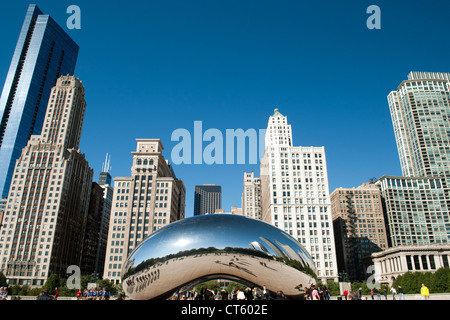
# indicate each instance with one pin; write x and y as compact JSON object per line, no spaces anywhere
{"x":393,"y":291}
{"x":424,"y":292}
{"x":265,"y":293}
{"x":401,"y":296}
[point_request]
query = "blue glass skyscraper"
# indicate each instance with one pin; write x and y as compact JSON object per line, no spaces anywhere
{"x":43,"y":52}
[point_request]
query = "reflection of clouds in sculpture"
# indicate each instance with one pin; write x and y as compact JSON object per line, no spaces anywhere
{"x":219,"y":246}
{"x":182,"y":242}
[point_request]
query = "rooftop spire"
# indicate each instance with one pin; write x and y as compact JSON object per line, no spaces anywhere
{"x":106,"y":167}
{"x":277,"y":113}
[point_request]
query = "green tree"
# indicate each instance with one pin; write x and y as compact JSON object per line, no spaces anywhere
{"x":409,"y":281}
{"x":14,"y":290}
{"x":441,"y":280}
{"x":106,"y":283}
{"x":53,"y":281}
{"x":64,"y":291}
{"x":334,"y":288}
{"x":85,"y":280}
{"x":211,"y":285}
{"x":3,"y":280}
{"x":35,"y":291}
{"x":233,"y":285}
{"x":437,"y":282}
{"x":363,"y":285}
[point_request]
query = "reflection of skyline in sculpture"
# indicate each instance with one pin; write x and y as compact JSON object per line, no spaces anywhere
{"x":220,"y":246}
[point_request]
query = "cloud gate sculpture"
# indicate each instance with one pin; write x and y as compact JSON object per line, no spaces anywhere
{"x":217,"y":246}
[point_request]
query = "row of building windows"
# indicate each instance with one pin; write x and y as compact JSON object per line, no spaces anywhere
{"x":297,"y":155}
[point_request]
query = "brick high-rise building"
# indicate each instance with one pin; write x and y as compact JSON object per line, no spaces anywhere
{"x":359,"y":227}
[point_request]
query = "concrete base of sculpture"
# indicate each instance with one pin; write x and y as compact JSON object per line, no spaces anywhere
{"x":220,"y":246}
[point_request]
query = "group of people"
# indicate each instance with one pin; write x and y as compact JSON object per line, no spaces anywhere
{"x":316,"y":293}
{"x":235,"y":294}
{"x":424,"y":292}
{"x":312,"y":292}
{"x":3,"y":293}
{"x":93,"y":294}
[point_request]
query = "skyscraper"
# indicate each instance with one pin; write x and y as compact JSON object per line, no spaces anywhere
{"x":43,"y":53}
{"x":91,"y":238}
{"x":143,"y":203}
{"x":359,"y":227}
{"x":295,"y":196}
{"x":251,"y":196}
{"x":105,"y":181}
{"x":420,"y":111}
{"x":207,"y":199}
{"x":47,"y":208}
{"x":416,"y":210}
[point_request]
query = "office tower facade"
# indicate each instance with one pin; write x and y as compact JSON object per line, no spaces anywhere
{"x":417,"y":210}
{"x":420,"y":111}
{"x":207,"y":199}
{"x":143,"y":203}
{"x":105,"y":181}
{"x":47,"y":207}
{"x":359,"y":227}
{"x":295,"y":195}
{"x":251,"y":196}
{"x":43,"y":53}
{"x":92,"y":231}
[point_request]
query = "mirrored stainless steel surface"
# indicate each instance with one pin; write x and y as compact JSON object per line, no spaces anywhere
{"x":217,"y":246}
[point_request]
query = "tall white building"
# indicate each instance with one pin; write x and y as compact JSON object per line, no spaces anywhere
{"x":150,"y":199}
{"x":295,"y":195}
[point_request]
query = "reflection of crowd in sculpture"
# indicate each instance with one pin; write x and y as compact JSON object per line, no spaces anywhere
{"x":142,"y":281}
{"x":145,"y":277}
{"x":235,"y":294}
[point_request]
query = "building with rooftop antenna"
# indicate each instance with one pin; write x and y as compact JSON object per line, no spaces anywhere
{"x":105,"y":176}
{"x":105,"y":182}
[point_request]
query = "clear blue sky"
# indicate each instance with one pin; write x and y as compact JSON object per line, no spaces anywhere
{"x":150,"y":67}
